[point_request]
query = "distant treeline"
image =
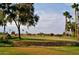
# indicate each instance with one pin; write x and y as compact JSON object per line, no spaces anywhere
{"x":41,"y":34}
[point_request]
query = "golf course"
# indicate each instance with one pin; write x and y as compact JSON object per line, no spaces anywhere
{"x":34,"y":29}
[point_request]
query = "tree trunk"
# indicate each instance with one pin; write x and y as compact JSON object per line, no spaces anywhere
{"x":19,"y":32}
{"x":4,"y":35}
{"x":4,"y":28}
{"x":78,"y":33}
{"x":75,"y":25}
{"x":66,"y":26}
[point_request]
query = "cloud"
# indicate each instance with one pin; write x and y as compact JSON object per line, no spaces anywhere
{"x":50,"y":22}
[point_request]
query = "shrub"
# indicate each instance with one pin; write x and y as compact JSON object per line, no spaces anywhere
{"x":13,"y":33}
{"x":5,"y":38}
{"x":1,"y":33}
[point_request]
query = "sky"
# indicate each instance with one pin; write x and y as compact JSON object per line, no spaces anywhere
{"x":51,"y":19}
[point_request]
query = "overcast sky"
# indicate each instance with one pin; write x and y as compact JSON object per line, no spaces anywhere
{"x":51,"y":19}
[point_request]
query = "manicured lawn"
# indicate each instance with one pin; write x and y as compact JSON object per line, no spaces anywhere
{"x":38,"y":38}
{"x":41,"y":50}
{"x":33,"y":50}
{"x":46,"y":38}
{"x":50,"y":37}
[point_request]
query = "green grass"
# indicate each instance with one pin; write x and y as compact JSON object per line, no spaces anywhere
{"x":33,"y":50}
{"x":45,"y":39}
{"x":49,"y":38}
{"x":37,"y":39}
{"x":40,"y":50}
{"x":67,"y":49}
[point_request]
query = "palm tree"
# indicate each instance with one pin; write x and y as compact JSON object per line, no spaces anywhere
{"x":75,"y":7}
{"x":69,"y":22}
{"x":66,"y":14}
{"x":23,"y":14}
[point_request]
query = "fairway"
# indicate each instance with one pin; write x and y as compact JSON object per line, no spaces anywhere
{"x":27,"y":29}
{"x":33,"y":50}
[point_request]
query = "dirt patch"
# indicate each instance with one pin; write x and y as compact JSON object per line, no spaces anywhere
{"x":57,"y":43}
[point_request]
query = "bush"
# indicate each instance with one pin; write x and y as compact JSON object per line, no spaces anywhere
{"x":51,"y":34}
{"x":5,"y":38}
{"x":1,"y":33}
{"x":13,"y":33}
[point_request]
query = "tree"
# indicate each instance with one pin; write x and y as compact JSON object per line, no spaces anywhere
{"x":1,"y":17}
{"x":73,"y":28}
{"x":23,"y":14}
{"x":4,"y":8}
{"x":66,"y":14}
{"x":68,"y":23}
{"x":75,"y":7}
